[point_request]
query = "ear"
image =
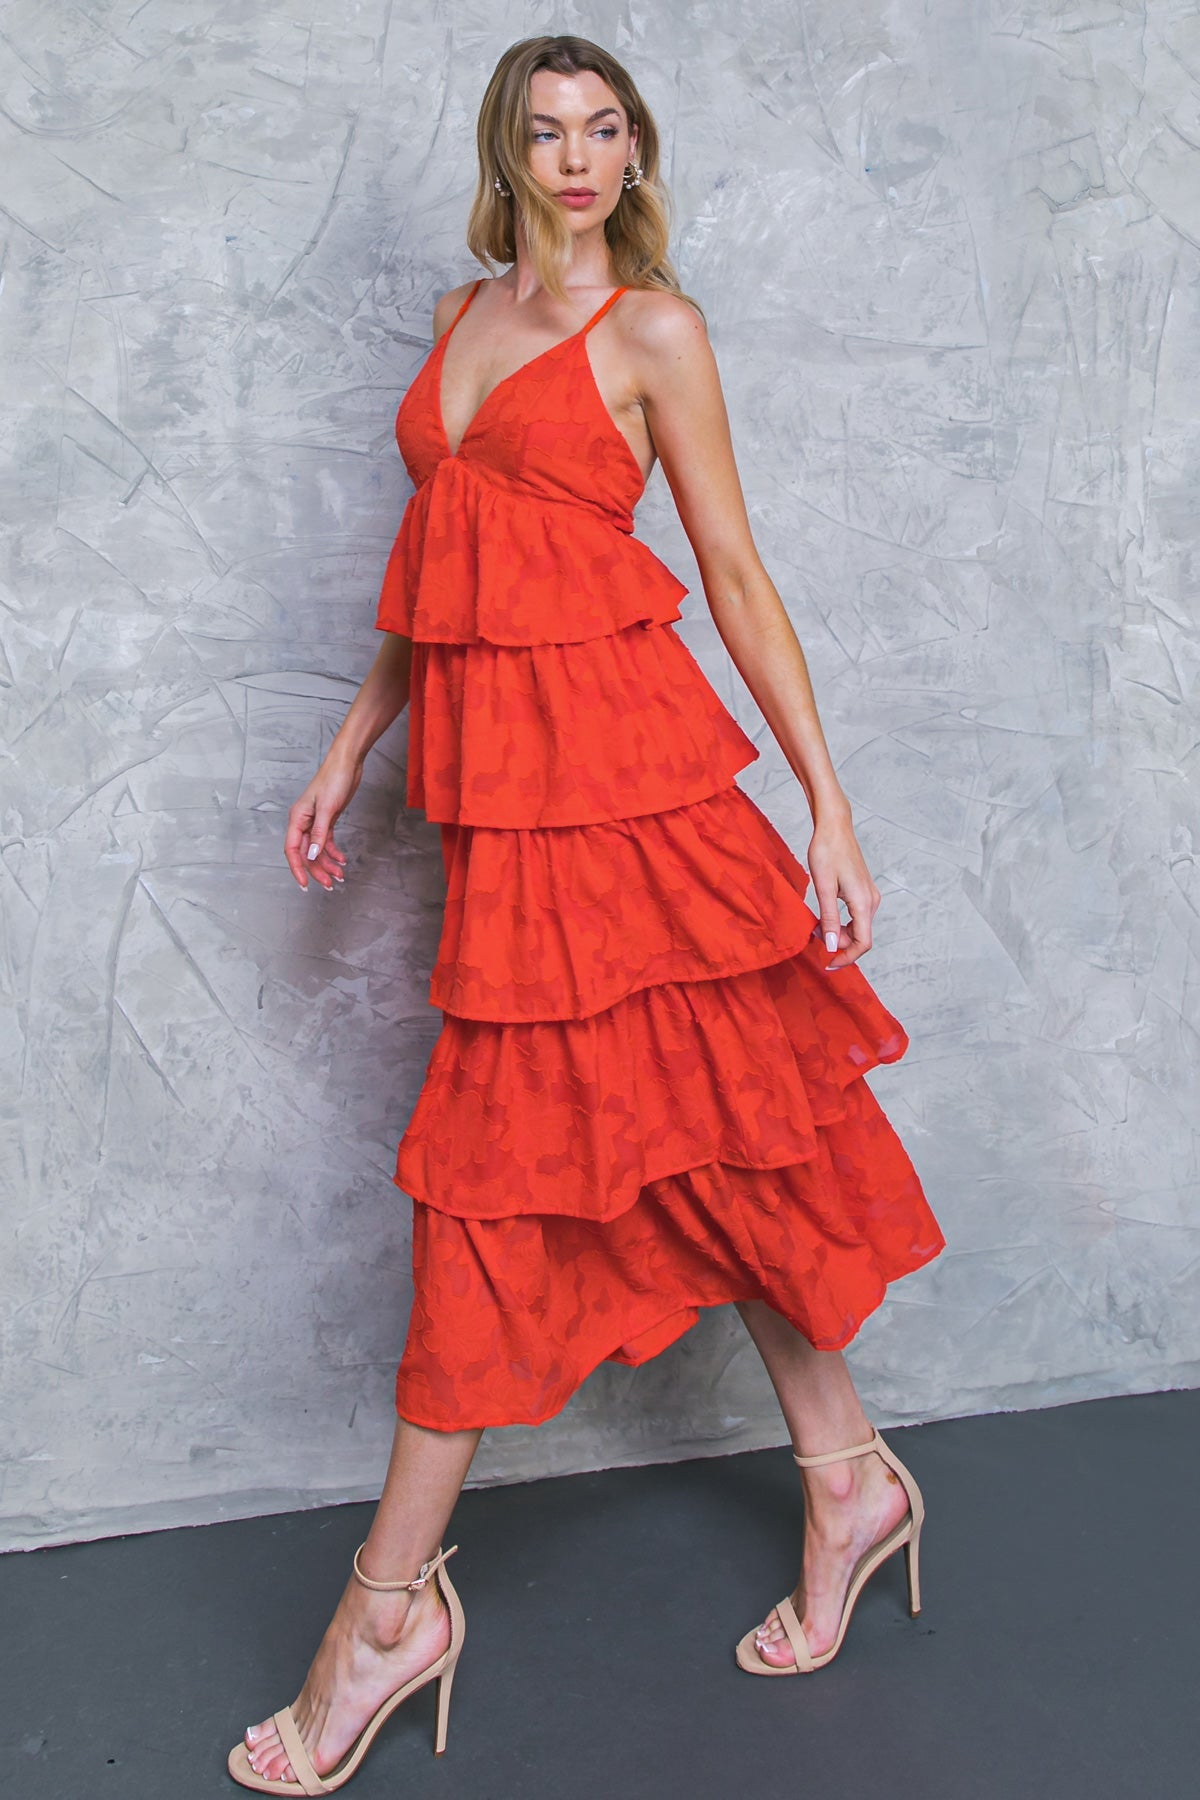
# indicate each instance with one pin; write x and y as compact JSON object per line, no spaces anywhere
{"x":633,"y":138}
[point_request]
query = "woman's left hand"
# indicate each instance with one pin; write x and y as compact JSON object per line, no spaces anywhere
{"x":839,"y":871}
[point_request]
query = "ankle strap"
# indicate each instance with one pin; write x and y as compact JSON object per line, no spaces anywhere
{"x":396,"y":1587}
{"x":832,"y":1456}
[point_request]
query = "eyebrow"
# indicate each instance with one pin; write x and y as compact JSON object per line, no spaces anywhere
{"x":604,"y":112}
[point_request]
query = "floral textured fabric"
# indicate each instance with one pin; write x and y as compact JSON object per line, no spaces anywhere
{"x":647,"y":1095}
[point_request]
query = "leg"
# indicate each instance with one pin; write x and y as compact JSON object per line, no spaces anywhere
{"x":376,"y":1642}
{"x":848,"y":1506}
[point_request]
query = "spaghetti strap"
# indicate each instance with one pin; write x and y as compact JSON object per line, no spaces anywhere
{"x":462,"y":309}
{"x":597,"y":316}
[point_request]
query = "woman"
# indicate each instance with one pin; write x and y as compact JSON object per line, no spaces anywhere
{"x":647,"y":1094}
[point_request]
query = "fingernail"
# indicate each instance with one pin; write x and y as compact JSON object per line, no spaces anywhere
{"x":831,"y":937}
{"x":314,"y":850}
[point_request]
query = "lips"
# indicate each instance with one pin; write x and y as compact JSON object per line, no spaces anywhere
{"x":577,"y":193}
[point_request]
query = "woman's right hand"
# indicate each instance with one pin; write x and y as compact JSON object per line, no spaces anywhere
{"x":309,"y":846}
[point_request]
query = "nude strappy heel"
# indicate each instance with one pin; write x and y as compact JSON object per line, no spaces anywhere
{"x":440,"y":1670}
{"x":906,"y":1533}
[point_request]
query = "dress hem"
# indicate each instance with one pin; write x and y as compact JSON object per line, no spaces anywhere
{"x":694,"y":1307}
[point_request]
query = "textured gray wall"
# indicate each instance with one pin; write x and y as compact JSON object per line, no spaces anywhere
{"x":949,"y":254}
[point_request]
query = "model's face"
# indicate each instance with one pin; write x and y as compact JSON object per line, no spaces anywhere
{"x":580,"y":142}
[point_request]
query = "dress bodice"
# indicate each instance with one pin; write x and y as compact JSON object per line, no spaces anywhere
{"x":523,"y":535}
{"x":544,"y":429}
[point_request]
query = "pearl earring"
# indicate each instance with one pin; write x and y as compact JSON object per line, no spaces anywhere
{"x":500,"y":188}
{"x":633,"y":175}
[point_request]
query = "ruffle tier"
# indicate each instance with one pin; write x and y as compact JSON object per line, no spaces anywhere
{"x":512,"y":1314}
{"x":478,"y":561}
{"x":562,"y":923}
{"x":566,"y":733}
{"x":577,"y":1116}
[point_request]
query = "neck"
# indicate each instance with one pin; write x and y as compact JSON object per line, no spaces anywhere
{"x":590,"y":265}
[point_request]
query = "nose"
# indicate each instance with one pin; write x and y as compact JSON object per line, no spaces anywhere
{"x":574,"y":156}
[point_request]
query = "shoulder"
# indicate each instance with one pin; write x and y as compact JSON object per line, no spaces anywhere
{"x":446,"y":307}
{"x":665,"y":331}
{"x":671,"y":360}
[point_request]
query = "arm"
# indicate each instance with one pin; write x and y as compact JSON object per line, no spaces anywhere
{"x":309,"y":846}
{"x":681,"y":397}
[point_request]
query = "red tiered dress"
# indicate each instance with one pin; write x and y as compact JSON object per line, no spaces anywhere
{"x":647,"y":1095}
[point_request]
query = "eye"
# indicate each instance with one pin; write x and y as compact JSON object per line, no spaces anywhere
{"x":545,"y":132}
{"x":607,"y":131}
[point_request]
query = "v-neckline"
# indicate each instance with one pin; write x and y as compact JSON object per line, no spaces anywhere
{"x":550,"y":349}
{"x":491,"y":393}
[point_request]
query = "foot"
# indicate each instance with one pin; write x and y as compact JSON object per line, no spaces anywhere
{"x":374,"y":1644}
{"x":848,"y":1506}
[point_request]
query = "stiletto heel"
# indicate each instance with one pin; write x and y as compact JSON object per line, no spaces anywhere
{"x":906,"y":1533}
{"x":441,"y":1670}
{"x":445,"y":1683}
{"x":914,"y":1579}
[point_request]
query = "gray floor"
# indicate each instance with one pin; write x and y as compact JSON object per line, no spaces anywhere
{"x":1056,"y":1656}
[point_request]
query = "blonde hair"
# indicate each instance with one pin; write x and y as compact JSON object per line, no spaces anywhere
{"x":637,"y":229}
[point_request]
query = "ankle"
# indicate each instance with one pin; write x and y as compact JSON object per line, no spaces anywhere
{"x":831,"y":1486}
{"x":382,"y":1621}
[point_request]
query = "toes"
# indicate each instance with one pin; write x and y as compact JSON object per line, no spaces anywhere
{"x":771,"y":1642}
{"x":276,"y":1767}
{"x":778,"y":1653}
{"x":268,"y":1757}
{"x":262,"y":1747}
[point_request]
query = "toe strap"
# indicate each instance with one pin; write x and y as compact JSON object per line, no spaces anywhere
{"x":795,"y":1635}
{"x":289,"y":1736}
